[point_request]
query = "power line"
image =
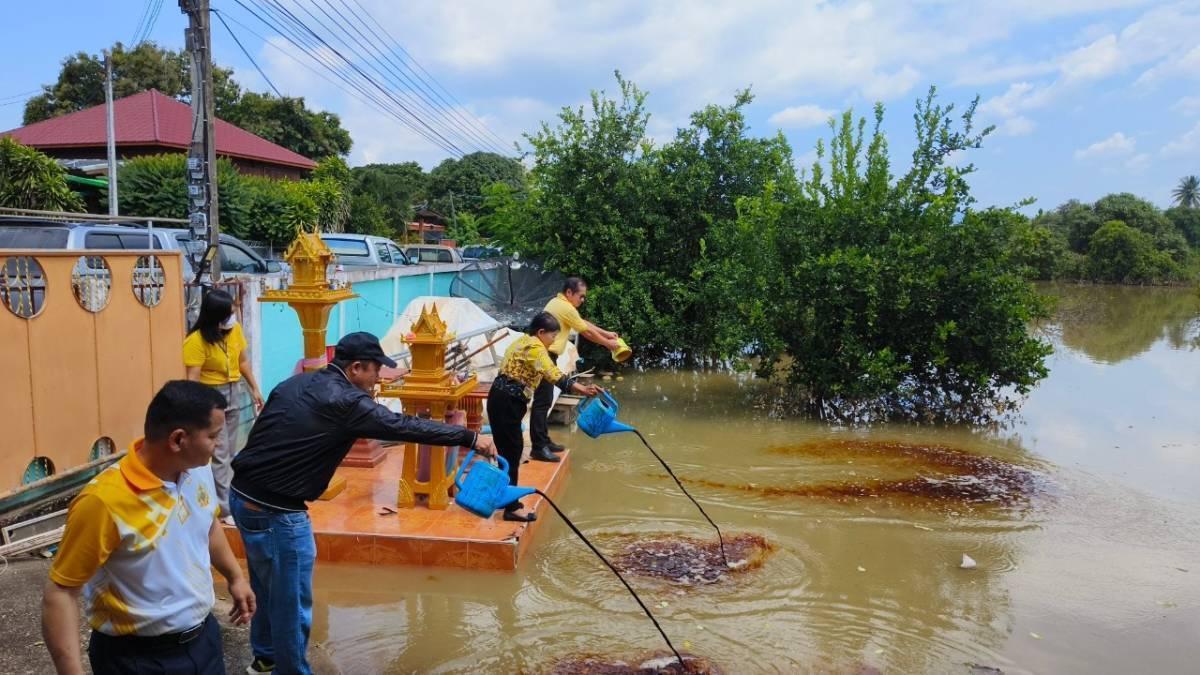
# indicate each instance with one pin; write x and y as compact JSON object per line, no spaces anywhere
{"x":151,"y":19}
{"x":431,"y":77}
{"x":367,"y":78}
{"x":354,"y":65}
{"x":313,"y":50}
{"x":141,"y":22}
{"x":247,"y":53}
{"x":446,"y":124}
{"x":310,"y":48}
{"x":396,"y":66}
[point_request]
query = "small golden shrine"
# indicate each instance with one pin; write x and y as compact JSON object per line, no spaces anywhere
{"x":311,"y":293}
{"x":429,"y":389}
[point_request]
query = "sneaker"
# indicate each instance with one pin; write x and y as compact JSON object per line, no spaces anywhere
{"x":260,"y":666}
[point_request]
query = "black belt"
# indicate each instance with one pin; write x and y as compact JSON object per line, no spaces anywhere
{"x":157,"y":641}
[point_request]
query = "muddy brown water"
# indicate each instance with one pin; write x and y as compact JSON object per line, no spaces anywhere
{"x":1083,"y":515}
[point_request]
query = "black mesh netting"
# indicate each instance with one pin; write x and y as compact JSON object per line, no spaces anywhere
{"x":512,"y":291}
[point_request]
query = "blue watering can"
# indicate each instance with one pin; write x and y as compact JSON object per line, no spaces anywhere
{"x":486,"y":487}
{"x":598,"y":415}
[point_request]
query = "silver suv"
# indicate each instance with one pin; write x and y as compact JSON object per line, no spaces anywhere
{"x":234,"y":255}
{"x":364,"y":250}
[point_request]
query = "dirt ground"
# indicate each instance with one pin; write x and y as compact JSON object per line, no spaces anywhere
{"x":23,"y":652}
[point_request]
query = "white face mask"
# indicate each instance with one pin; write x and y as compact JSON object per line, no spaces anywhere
{"x":229,"y":323}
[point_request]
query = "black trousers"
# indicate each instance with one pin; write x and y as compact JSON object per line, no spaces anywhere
{"x":543,"y":400}
{"x":139,"y":656}
{"x":504,"y":415}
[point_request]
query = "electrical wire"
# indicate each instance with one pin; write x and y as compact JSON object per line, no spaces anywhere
{"x":305,"y":40}
{"x":446,"y":122}
{"x":221,"y":18}
{"x":419,"y":87}
{"x":354,"y":66}
{"x":414,"y":61}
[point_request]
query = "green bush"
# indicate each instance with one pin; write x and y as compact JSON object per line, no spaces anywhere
{"x":155,"y":186}
{"x":251,"y":207}
{"x":31,"y":180}
{"x":876,"y":296}
{"x":1121,"y":254}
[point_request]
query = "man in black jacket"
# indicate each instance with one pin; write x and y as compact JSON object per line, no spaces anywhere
{"x":305,"y":430}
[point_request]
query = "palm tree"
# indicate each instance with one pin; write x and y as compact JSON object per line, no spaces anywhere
{"x":1188,"y":192}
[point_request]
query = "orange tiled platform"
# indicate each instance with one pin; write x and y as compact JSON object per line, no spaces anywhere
{"x":349,"y":528}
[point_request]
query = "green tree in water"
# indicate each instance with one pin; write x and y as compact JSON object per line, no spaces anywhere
{"x":884,"y":297}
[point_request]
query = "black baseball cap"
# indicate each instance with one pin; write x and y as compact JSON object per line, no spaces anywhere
{"x":361,"y":346}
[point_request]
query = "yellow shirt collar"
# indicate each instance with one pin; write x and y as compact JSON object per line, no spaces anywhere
{"x":136,"y":472}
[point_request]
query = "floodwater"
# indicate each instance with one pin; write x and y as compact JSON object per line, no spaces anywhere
{"x":1082,"y":514}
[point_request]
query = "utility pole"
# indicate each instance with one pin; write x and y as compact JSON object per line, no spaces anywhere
{"x":112,"y":135}
{"x":202,"y":157}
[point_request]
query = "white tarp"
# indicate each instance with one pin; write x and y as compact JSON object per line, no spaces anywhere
{"x":464,"y":318}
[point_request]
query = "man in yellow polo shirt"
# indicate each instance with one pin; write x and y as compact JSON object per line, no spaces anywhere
{"x":565,"y":308}
{"x":139,"y":545}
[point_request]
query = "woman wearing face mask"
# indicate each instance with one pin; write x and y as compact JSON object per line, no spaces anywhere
{"x":214,"y":353}
{"x":526,"y":364}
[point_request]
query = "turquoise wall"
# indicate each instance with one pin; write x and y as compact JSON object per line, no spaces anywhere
{"x":371,"y":311}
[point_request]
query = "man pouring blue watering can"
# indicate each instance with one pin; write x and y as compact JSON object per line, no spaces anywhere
{"x":565,"y":309}
{"x":526,"y":368}
{"x":305,"y":430}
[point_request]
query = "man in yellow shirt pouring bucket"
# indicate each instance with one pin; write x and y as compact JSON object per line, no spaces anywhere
{"x":565,"y":308}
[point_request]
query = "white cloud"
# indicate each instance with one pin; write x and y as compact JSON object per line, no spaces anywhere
{"x":1017,"y":126}
{"x":1187,"y":144}
{"x":1138,"y":162}
{"x":1097,"y":60}
{"x":1018,"y":98}
{"x":801,"y":117}
{"x":1114,"y":146}
{"x":1186,"y":65}
{"x":887,"y":86}
{"x":1188,"y":105}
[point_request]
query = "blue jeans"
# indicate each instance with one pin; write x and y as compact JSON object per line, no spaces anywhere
{"x":280,"y":553}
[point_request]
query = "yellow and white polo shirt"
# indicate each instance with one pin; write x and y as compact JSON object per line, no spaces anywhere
{"x":139,"y":546}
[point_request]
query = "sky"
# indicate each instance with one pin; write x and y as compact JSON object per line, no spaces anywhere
{"x":1088,"y":96}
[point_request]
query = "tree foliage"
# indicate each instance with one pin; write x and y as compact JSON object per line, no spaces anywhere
{"x":80,"y":82}
{"x":875,"y":295}
{"x":287,"y":122}
{"x":250,"y":207}
{"x":456,"y":185}
{"x":1187,"y":193}
{"x":383,"y":196}
{"x":31,"y":180}
{"x":890,"y":295}
{"x":284,"y":121}
{"x":1149,"y":246}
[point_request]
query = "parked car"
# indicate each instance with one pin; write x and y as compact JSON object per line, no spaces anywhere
{"x":234,"y":255}
{"x":364,"y":250}
{"x":482,"y":252}
{"x":432,"y":253}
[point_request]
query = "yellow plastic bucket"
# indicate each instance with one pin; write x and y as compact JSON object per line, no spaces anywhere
{"x":622,"y":353}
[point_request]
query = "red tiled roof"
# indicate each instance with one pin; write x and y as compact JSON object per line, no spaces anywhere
{"x":151,"y":118}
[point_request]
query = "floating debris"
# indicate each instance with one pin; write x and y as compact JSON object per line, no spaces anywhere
{"x":650,"y":664}
{"x":690,"y":561}
{"x":944,"y":475}
{"x":968,"y":563}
